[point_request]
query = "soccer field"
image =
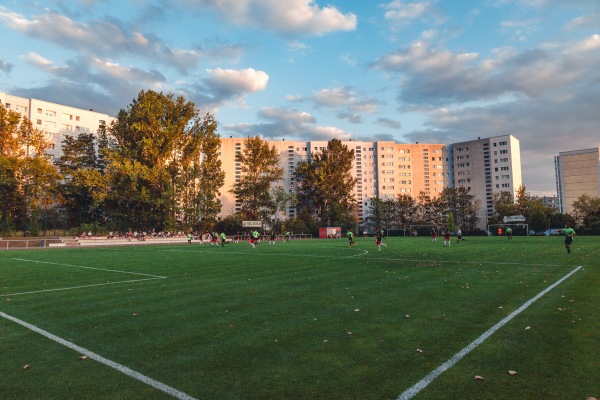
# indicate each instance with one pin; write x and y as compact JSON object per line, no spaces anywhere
{"x":306,"y":319}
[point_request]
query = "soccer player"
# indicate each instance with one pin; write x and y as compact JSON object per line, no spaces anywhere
{"x":254,"y":239}
{"x":509,"y":233}
{"x":569,"y":233}
{"x":189,"y":237}
{"x":273,"y":238}
{"x":499,"y":231}
{"x":447,"y":237}
{"x":223,"y":238}
{"x":433,"y":234}
{"x":351,"y":238}
{"x":458,"y":236}
{"x":378,"y":238}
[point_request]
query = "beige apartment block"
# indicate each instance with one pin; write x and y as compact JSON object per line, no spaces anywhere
{"x":577,"y":173}
{"x":56,"y":120}
{"x":485,"y":167}
{"x":381,"y":169}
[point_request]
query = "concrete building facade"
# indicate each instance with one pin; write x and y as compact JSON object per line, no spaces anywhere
{"x":383,"y":169}
{"x":56,"y":120}
{"x":485,"y":167}
{"x":577,"y":173}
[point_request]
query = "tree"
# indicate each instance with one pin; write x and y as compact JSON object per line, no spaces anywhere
{"x":260,"y":170}
{"x":504,"y":205}
{"x":431,"y":210}
{"x":153,"y":155}
{"x":326,"y":186}
{"x":27,"y":178}
{"x":584,"y":207}
{"x":406,"y":210}
{"x":463,"y":206}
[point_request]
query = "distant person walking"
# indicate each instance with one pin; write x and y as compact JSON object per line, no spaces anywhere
{"x":509,"y":233}
{"x":378,"y":239}
{"x":569,"y":233}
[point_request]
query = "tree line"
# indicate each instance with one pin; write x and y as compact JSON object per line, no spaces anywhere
{"x":157,"y":167}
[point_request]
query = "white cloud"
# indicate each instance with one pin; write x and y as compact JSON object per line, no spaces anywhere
{"x":286,"y":115}
{"x":289,"y":17}
{"x":233,"y":81}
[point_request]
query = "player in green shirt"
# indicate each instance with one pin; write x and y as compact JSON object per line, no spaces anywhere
{"x":351,"y":238}
{"x":569,"y":233}
{"x":509,"y":233}
{"x":223,"y":238}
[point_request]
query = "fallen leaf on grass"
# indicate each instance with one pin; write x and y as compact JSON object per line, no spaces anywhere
{"x":512,"y":373}
{"x":135,"y":314}
{"x":407,"y":316}
{"x":571,"y":301}
{"x":83,"y":358}
{"x":527,"y":328}
{"x":356,"y":309}
{"x":479,"y":378}
{"x":349,"y":333}
{"x":502,"y":308}
{"x":590,"y":398}
{"x":419,"y":351}
{"x":26,"y":366}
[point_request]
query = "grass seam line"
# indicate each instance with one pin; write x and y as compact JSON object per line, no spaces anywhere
{"x":423,"y":383}
{"x":121,"y":368}
{"x":94,"y":268}
{"x":79,"y":287}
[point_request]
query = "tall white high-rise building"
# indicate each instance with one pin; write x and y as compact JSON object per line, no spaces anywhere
{"x":485,"y":167}
{"x":56,"y":120}
{"x":577,"y":173}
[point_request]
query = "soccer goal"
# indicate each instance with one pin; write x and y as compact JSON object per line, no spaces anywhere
{"x":517,"y":229}
{"x":423,"y":230}
{"x":397,"y":232}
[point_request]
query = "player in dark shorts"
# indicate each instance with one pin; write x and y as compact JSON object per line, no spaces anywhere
{"x":569,"y":233}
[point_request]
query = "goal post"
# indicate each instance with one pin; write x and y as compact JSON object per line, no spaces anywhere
{"x":518,"y":229}
{"x":423,"y":230}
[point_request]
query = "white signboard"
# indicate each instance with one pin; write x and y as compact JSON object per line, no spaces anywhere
{"x":513,"y":218}
{"x":251,"y":224}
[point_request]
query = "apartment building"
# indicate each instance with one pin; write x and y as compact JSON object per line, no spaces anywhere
{"x":485,"y":167}
{"x":577,"y":173}
{"x":383,"y":169}
{"x":55,"y":120}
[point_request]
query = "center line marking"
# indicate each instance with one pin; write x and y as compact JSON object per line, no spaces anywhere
{"x":423,"y":383}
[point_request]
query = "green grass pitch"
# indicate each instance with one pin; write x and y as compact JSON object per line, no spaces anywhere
{"x":310,"y":319}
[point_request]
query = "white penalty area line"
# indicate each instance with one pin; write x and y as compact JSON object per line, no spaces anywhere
{"x":121,"y":368}
{"x":423,"y":383}
{"x":149,"y":278}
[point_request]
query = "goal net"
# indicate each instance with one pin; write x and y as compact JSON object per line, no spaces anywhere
{"x":424,"y":230}
{"x":517,"y":229}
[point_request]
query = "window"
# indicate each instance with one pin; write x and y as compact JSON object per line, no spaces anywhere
{"x":39,"y":110}
{"x":50,"y":113}
{"x":503,"y":151}
{"x":39,"y":121}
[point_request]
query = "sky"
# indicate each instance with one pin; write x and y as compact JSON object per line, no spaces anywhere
{"x":432,"y":71}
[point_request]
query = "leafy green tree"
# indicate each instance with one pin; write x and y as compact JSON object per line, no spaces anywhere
{"x":430,"y":210}
{"x":326,"y":186}
{"x":504,"y":205}
{"x":260,"y":170}
{"x":27,"y":178}
{"x":585,"y":206}
{"x":406,"y":210}
{"x":463,"y":205}
{"x":154,"y":150}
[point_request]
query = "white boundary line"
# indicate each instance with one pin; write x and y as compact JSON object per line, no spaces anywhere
{"x":423,"y":383}
{"x":121,"y":368}
{"x":362,"y":253}
{"x":150,"y":277}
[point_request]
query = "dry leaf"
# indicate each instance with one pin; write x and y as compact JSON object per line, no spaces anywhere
{"x":527,"y":328}
{"x":407,"y":316}
{"x":512,"y":373}
{"x":571,"y":301}
{"x":356,"y":309}
{"x":26,"y":366}
{"x":479,"y":378}
{"x":502,"y":308}
{"x":349,"y":333}
{"x":135,"y":314}
{"x":83,"y":357}
{"x":590,"y":398}
{"x":419,"y":351}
